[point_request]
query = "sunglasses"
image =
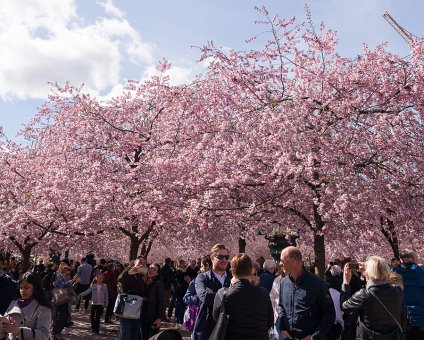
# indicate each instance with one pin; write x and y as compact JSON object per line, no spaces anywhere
{"x":222,"y":257}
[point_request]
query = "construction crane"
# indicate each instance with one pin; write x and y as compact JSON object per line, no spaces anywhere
{"x":407,"y":36}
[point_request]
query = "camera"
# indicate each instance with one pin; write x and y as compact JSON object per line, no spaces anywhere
{"x":353,"y":265}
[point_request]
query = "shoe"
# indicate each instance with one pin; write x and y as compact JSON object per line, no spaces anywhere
{"x":65,"y":331}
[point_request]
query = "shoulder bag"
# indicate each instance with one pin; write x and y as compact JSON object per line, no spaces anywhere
{"x":220,"y":330}
{"x":61,"y":296}
{"x":128,"y":306}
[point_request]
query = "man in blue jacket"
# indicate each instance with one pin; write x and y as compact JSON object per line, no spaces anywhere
{"x":207,"y":284}
{"x":306,"y":308}
{"x":413,"y":292}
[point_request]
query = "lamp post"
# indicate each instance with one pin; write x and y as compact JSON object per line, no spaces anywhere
{"x":278,"y":240}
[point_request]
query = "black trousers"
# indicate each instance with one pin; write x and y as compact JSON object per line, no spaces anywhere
{"x":96,"y":313}
{"x":109,"y":309}
{"x":60,"y":318}
{"x":415,"y":333}
{"x":79,"y":289}
{"x":147,"y":330}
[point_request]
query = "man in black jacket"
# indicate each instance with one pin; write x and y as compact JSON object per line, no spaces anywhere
{"x":168,"y":279}
{"x":207,"y":284}
{"x":306,"y":308}
{"x":132,"y":282}
{"x":249,"y":307}
{"x":8,"y":289}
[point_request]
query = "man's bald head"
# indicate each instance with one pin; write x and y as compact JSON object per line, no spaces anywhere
{"x":293,"y":253}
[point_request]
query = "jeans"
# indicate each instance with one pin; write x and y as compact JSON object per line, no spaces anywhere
{"x":180,"y":307}
{"x":129,"y":329}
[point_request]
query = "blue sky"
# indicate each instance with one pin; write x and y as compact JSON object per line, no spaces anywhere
{"x":102,"y":43}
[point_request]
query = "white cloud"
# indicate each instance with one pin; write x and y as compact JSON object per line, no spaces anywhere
{"x":177,"y":75}
{"x":45,"y":40}
{"x":110,"y":8}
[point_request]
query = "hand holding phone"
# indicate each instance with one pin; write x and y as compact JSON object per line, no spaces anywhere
{"x":4,"y":320}
{"x":353,"y":265}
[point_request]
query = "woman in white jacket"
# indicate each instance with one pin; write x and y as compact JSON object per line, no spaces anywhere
{"x":28,"y":317}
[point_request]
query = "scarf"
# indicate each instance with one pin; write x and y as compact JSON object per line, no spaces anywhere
{"x":22,"y":303}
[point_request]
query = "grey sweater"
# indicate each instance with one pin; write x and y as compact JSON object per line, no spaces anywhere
{"x":36,"y":323}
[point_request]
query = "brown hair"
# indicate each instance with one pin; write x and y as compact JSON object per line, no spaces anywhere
{"x":216,"y":248}
{"x":241,"y":265}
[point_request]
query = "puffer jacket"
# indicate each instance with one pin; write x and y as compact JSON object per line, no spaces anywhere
{"x":372,"y":315}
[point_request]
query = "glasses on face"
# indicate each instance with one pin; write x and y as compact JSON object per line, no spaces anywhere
{"x":223,"y":257}
{"x":284,"y":260}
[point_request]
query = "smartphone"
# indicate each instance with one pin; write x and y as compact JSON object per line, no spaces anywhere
{"x":353,"y":265}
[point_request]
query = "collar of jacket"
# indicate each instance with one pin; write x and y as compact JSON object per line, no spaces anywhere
{"x":371,"y":283}
{"x":212,"y":276}
{"x":301,"y":276}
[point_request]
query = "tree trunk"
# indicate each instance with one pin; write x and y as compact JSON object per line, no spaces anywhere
{"x":319,"y":250}
{"x":387,"y":227}
{"x":146,"y":247}
{"x":135,"y":244}
{"x":26,"y":256}
{"x":242,"y":245}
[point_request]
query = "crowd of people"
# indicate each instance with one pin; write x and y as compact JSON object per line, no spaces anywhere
{"x":261,"y":299}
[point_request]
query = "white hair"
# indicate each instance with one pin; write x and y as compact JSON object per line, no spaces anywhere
{"x":335,"y":270}
{"x":269,"y":265}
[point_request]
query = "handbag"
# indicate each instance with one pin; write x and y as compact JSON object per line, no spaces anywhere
{"x":220,"y":330}
{"x":190,"y":316}
{"x":128,"y":306}
{"x":397,"y":333}
{"x":61,"y":296}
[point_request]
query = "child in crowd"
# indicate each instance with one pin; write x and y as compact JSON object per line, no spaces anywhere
{"x":99,"y":300}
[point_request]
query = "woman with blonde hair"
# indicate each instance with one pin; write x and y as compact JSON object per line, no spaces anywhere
{"x":382,"y":313}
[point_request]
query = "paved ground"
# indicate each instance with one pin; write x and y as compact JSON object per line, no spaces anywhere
{"x":81,"y":329}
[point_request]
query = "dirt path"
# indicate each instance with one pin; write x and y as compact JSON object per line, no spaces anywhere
{"x":81,"y":329}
